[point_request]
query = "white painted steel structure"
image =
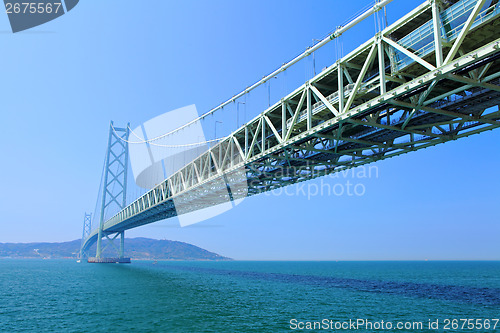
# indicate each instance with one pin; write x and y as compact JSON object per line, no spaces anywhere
{"x":431,"y":77}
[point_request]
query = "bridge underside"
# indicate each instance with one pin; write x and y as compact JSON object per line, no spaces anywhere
{"x":391,"y":96}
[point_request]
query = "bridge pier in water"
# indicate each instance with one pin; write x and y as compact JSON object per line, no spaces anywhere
{"x":94,"y":260}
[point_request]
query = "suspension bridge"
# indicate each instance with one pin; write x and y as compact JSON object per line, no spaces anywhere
{"x":429,"y":78}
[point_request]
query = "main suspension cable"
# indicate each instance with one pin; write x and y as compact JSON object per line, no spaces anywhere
{"x":161,"y":145}
{"x":379,"y":4}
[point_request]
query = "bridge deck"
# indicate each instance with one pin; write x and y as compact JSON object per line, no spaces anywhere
{"x":392,"y":95}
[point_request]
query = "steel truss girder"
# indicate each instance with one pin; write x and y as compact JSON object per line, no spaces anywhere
{"x":288,"y":133}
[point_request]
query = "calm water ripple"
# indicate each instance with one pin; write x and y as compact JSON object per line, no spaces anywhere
{"x":63,"y":296}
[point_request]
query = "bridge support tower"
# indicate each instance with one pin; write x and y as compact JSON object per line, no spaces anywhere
{"x":114,"y":191}
{"x":87,"y":228}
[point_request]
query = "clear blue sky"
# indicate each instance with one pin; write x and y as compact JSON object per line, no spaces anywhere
{"x":129,"y":61}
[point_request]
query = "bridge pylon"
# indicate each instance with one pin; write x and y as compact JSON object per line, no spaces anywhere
{"x":87,"y":228}
{"x":114,"y":191}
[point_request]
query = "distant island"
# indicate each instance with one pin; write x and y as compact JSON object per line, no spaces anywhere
{"x":136,"y":248}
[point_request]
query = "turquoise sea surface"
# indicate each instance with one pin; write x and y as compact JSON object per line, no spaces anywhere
{"x":240,"y":296}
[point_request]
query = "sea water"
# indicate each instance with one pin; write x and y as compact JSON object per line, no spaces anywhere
{"x":239,"y":296}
